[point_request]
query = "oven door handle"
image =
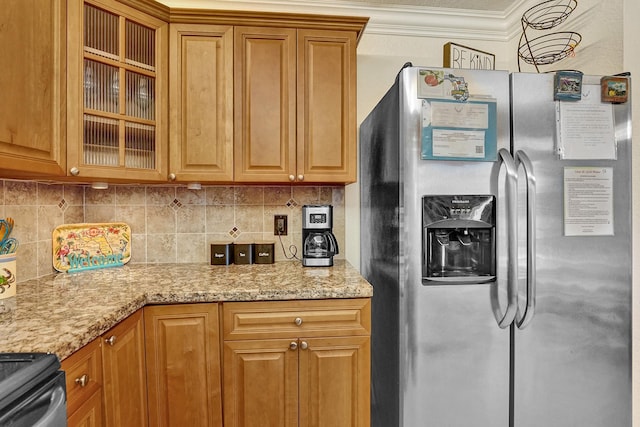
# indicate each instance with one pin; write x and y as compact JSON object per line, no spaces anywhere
{"x":511,"y":202}
{"x":523,"y":319}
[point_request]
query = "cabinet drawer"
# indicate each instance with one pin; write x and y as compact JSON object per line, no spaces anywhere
{"x":88,"y":414}
{"x":309,"y":318}
{"x":83,"y":370}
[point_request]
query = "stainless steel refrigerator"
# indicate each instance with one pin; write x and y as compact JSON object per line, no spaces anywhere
{"x":539,"y":334}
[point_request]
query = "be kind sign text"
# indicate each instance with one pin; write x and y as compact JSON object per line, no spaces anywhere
{"x":458,"y":56}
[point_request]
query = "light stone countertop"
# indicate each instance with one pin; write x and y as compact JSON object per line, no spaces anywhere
{"x":61,"y":313}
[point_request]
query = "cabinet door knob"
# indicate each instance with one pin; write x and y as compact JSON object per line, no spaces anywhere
{"x":172,"y":177}
{"x":293,"y":345}
{"x":300,"y":177}
{"x":74,"y":171}
{"x":292,"y":178}
{"x":83,"y":380}
{"x":298,"y":321}
{"x":111,"y":340}
{"x":304,"y":345}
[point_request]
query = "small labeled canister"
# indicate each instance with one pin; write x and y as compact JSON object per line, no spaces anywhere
{"x":263,"y":253}
{"x":243,"y":253}
{"x":221,"y":253}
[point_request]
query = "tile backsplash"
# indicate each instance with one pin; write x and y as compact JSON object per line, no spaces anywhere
{"x":168,"y":223}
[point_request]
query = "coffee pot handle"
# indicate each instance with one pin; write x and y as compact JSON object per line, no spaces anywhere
{"x":333,"y":243}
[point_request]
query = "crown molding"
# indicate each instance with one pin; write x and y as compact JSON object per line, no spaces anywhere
{"x":390,"y":20}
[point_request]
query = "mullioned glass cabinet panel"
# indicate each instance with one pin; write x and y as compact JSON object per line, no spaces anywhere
{"x":119,"y":91}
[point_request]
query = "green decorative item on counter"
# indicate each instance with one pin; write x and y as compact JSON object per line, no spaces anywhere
{"x":88,"y":246}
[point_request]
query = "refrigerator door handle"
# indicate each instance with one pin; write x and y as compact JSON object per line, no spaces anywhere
{"x":511,"y":190}
{"x":523,"y":319}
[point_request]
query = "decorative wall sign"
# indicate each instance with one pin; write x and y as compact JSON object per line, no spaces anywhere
{"x":87,"y":246}
{"x":458,"y":56}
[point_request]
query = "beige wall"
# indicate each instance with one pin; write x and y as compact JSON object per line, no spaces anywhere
{"x":168,"y":224}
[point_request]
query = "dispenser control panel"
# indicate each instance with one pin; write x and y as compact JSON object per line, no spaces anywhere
{"x":458,"y":207}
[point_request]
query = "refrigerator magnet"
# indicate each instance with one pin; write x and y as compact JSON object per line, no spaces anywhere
{"x":568,"y":86}
{"x":614,"y":89}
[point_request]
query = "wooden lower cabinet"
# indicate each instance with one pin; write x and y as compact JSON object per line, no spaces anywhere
{"x":83,"y":371}
{"x":284,"y":364}
{"x":105,"y":379}
{"x":260,"y":383}
{"x":124,"y":373}
{"x":89,"y":414}
{"x":183,"y":365}
{"x":318,"y":377}
{"x":334,"y":382}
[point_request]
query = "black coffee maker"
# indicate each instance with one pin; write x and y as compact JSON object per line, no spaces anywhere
{"x":318,"y":242}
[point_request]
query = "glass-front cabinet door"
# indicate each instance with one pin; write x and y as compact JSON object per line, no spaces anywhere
{"x":118,"y":93}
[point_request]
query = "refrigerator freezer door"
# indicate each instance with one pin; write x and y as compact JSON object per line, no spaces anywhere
{"x":454,"y":359}
{"x":572,"y":363}
{"x":439,"y":357}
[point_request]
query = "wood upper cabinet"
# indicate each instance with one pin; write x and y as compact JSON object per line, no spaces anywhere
{"x":33,"y":87}
{"x":201,"y":111}
{"x":117,"y":111}
{"x":183,"y":365}
{"x":297,"y":363}
{"x":265,"y":104}
{"x":125,"y":385}
{"x":326,"y":106}
{"x":295,"y":105}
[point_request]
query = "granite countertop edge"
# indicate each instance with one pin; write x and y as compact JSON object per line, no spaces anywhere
{"x":63,"y":312}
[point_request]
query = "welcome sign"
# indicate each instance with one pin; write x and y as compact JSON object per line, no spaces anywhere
{"x":88,"y":246}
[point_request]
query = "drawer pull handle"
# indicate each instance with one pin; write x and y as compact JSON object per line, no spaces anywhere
{"x":83,"y":380}
{"x":298,"y":321}
{"x":304,"y":345}
{"x":111,"y":340}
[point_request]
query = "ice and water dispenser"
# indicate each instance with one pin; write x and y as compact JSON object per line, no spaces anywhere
{"x":458,"y":239}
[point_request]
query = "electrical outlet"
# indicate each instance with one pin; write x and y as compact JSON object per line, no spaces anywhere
{"x":280,"y":225}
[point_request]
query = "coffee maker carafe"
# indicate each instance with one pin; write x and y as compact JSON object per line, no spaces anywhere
{"x":319,"y":245}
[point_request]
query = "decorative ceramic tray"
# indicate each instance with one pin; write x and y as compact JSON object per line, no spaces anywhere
{"x":88,"y":246}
